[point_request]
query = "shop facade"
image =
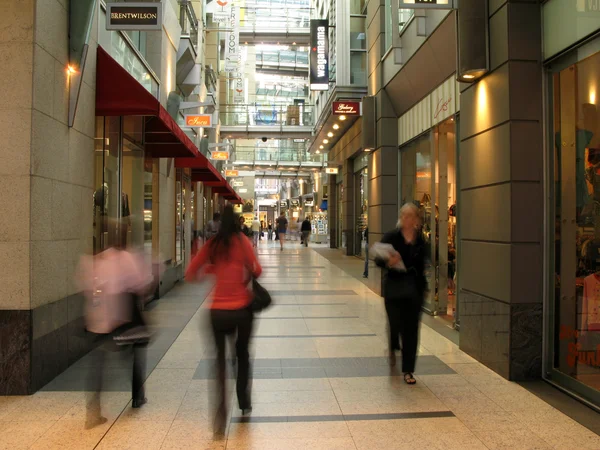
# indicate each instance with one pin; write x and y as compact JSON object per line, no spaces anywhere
{"x":572,"y":325}
{"x":427,"y":165}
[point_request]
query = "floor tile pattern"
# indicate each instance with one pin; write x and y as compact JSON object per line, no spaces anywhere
{"x":321,"y":381}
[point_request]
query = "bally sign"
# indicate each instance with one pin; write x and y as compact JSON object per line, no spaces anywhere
{"x":231,"y":173}
{"x":319,"y":55}
{"x":347,"y":108}
{"x":198,"y":121}
{"x":134,"y":16}
{"x":331,"y":170}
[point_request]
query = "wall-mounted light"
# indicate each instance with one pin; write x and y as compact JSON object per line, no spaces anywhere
{"x":473,"y":40}
{"x":330,"y":134}
{"x":368,"y":149}
{"x":71,"y":69}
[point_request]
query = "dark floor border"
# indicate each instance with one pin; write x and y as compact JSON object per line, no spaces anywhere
{"x":343,"y":418}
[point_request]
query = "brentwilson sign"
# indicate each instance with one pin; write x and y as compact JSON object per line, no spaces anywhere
{"x":134,"y":16}
{"x":319,"y":55}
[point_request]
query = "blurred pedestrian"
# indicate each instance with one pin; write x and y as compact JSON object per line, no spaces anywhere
{"x":244,"y":228}
{"x":232,"y":261}
{"x":404,"y":287}
{"x":306,"y":229}
{"x":255,"y":231}
{"x":115,"y":283}
{"x":282,"y":224}
{"x":270,"y":230}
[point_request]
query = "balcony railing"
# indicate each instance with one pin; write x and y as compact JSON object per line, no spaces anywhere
{"x":188,"y":22}
{"x":267,"y":115}
{"x":276,"y":155}
{"x":273,"y":19}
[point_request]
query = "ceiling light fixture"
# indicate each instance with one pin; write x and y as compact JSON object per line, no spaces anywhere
{"x":318,"y":151}
{"x":330,"y":134}
{"x":342,"y":117}
{"x":321,"y":147}
{"x":336,"y":126}
{"x":325,"y":141}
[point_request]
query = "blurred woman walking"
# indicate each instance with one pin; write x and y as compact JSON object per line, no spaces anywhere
{"x":230,"y":257}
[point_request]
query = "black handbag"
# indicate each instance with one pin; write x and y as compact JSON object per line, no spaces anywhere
{"x":261,"y":298}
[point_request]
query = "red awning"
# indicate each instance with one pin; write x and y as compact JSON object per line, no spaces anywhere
{"x":202,"y":169}
{"x":119,"y":94}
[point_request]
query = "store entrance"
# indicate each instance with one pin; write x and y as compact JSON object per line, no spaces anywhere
{"x":428,"y":167}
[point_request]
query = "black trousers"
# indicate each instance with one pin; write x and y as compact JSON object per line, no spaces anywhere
{"x":224,"y":323}
{"x":404,"y":316}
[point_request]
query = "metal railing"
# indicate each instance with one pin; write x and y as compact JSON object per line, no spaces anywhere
{"x":189,"y":22}
{"x":276,"y":155}
{"x":273,"y":19}
{"x":267,"y":115}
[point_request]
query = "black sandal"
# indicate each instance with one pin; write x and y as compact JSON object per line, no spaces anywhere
{"x":409,"y":379}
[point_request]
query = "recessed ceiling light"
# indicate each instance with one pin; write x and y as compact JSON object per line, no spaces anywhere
{"x":317,"y":152}
{"x":330,"y":134}
{"x":322,"y":147}
{"x":468,"y":77}
{"x":325,"y":141}
{"x":342,"y":117}
{"x":336,"y":126}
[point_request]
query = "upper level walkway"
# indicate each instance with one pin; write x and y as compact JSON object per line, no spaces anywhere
{"x":275,"y":25}
{"x":240,"y":121}
{"x":321,"y":381}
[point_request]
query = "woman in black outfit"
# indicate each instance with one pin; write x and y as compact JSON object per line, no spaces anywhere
{"x":404,"y":291}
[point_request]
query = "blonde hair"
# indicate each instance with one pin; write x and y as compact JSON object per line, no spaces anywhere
{"x":406,"y":209}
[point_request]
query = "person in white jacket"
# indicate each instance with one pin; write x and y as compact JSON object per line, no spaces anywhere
{"x":255,"y":231}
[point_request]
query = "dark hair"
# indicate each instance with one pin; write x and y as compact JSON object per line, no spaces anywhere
{"x":221,"y":243}
{"x":216,"y":216}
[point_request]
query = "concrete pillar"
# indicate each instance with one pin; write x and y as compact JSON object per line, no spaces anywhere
{"x":348,"y":219}
{"x":501,"y":199}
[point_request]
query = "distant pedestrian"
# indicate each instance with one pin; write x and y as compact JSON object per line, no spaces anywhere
{"x":366,"y":271}
{"x":244,"y":228}
{"x":255,"y":231}
{"x":270,"y":230}
{"x":232,"y":260}
{"x":212,"y":228}
{"x":282,"y":225}
{"x":306,"y":229}
{"x":405,"y":287}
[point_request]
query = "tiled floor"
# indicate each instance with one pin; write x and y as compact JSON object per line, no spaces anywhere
{"x":320,"y":382}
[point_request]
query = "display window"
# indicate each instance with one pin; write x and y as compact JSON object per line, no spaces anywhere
{"x":120,"y":183}
{"x":428,"y":179}
{"x":179,"y":215}
{"x":575,"y":324}
{"x":362,"y":212}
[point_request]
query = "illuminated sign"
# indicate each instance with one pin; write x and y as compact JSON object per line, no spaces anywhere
{"x":283,"y":205}
{"x":331,"y":170}
{"x":231,"y":173}
{"x":134,"y":16}
{"x":198,"y":121}
{"x":319,"y":55}
{"x":295,"y":203}
{"x":219,"y":156}
{"x":309,"y":201}
{"x":243,"y":191}
{"x":347,"y":108}
{"x":442,"y":4}
{"x":238,"y":183}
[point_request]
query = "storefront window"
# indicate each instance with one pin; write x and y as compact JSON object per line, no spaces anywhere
{"x":576,"y":128}
{"x":428,"y":167}
{"x":362,"y":203}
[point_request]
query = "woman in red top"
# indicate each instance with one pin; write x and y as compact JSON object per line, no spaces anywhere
{"x":230,"y":258}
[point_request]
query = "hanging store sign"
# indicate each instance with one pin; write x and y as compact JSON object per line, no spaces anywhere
{"x":232,"y":173}
{"x":319,"y":55}
{"x":295,"y":203}
{"x":283,"y":204}
{"x":219,"y":156}
{"x":243,"y":191}
{"x":347,"y":108}
{"x":238,"y":183}
{"x":309,"y":201}
{"x":134,"y":16}
{"x":331,"y":170}
{"x":232,"y":41}
{"x":440,"y":4}
{"x":221,"y":10}
{"x":198,"y":121}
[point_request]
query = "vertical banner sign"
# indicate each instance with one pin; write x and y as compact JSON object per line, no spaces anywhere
{"x":319,"y":55}
{"x":221,"y":11}
{"x":232,"y":41}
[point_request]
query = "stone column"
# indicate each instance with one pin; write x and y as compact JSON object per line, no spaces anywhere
{"x":501,"y":198}
{"x":348,"y":219}
{"x":383,"y":162}
{"x":332,"y":211}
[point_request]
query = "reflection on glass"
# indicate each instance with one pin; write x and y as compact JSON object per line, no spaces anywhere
{"x":404,"y":15}
{"x":358,"y":68}
{"x":179,"y":216}
{"x":577,"y":226}
{"x":358,"y":37}
{"x":148,"y":166}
